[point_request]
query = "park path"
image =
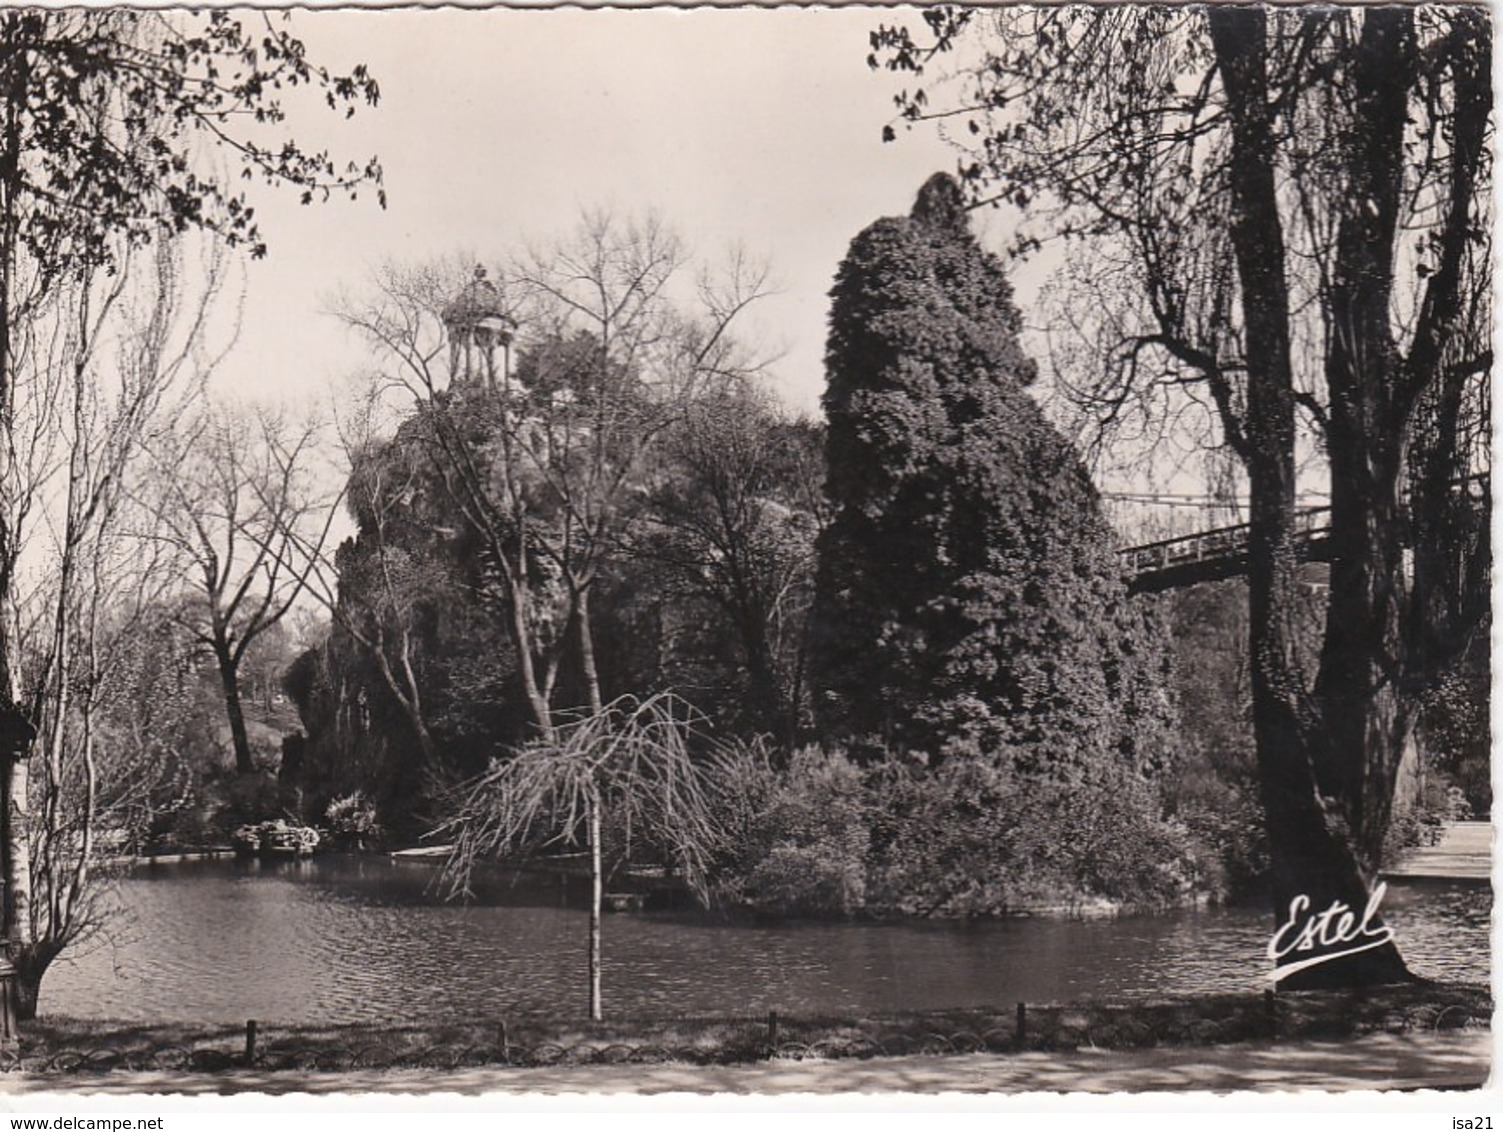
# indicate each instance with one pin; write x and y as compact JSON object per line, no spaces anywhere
{"x":1455,"y":1059}
{"x":1464,"y":851}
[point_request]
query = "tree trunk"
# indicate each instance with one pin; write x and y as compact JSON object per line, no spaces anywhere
{"x":17,"y":846}
{"x":31,"y":963}
{"x":1449,"y":361}
{"x":522,"y":637}
{"x":587,"y":650}
{"x":596,"y":894}
{"x":1314,"y":855}
{"x":229,"y":680}
{"x":770,"y":706}
{"x":406,"y":693}
{"x":597,"y":872}
{"x":1365,"y":712}
{"x":14,"y":832}
{"x":26,"y":991}
{"x":19,"y":998}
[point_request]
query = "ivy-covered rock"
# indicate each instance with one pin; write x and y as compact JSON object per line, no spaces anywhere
{"x":968,"y":593}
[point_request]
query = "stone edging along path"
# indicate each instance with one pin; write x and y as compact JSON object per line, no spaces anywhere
{"x":1450,"y":1060}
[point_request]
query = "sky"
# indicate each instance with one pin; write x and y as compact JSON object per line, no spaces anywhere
{"x":753,"y":126}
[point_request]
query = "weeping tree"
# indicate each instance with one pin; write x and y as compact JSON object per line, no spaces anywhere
{"x":1286,"y":215}
{"x":624,"y":772}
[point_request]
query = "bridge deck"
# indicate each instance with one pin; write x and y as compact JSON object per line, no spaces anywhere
{"x":1209,"y":556}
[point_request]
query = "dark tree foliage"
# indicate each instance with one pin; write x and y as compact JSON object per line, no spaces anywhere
{"x":480,"y":523}
{"x":415,"y":686}
{"x":727,"y":547}
{"x":968,"y":590}
{"x":572,"y":366}
{"x":1214,"y":788}
{"x":1454,"y":730}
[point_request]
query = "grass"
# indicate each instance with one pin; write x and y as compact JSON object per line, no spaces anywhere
{"x":71,"y":1045}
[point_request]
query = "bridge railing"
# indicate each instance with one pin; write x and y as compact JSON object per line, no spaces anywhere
{"x":1225,"y":546}
{"x":1216,"y":543}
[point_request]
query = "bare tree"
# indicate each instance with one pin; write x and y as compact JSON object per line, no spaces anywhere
{"x":83,"y":586}
{"x":239,"y":500}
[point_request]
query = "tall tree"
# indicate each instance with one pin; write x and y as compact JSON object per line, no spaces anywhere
{"x":238,"y":504}
{"x":968,"y":593}
{"x":1299,"y":200}
{"x":731,"y":529}
{"x":88,"y":586}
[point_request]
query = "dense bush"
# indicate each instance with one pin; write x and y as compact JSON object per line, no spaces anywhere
{"x":797,"y":838}
{"x":413,"y":686}
{"x":977,"y":837}
{"x":972,"y":836}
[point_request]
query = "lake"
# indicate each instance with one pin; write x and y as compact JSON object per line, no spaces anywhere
{"x":360,"y":939}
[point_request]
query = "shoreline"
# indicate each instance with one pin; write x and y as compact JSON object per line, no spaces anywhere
{"x":656,"y":897}
{"x":61,"y":1046}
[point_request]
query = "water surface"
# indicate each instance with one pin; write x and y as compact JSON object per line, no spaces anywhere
{"x":360,"y":939}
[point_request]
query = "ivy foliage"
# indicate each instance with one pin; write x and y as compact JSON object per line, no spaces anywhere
{"x":968,"y":592}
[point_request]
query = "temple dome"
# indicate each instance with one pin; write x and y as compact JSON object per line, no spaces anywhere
{"x":480,"y":300}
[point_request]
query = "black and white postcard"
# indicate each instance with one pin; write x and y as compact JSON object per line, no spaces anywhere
{"x":746,"y":551}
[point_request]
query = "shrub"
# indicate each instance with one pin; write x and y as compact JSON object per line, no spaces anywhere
{"x":941,"y":840}
{"x":1419,"y":823}
{"x":797,"y":880}
{"x":798,"y":839}
{"x":975,"y":837}
{"x":352,"y":819}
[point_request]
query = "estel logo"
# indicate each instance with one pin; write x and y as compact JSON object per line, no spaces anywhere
{"x":1337,"y":928}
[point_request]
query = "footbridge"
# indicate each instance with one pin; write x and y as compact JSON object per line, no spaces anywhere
{"x":1221,"y":552}
{"x":1211,"y":555}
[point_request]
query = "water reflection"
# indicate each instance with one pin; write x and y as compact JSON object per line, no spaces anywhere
{"x":340,"y":940}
